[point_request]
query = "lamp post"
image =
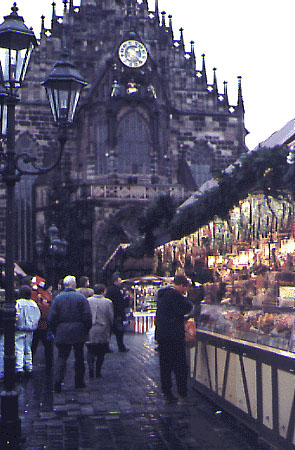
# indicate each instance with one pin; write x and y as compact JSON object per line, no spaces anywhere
{"x":55,"y":247}
{"x":63,"y":88}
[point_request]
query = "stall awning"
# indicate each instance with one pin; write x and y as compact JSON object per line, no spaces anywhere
{"x":17,"y":269}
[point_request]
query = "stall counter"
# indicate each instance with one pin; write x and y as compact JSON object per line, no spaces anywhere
{"x":143,"y":321}
{"x":253,"y":382}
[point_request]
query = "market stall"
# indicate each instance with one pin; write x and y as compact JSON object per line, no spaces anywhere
{"x":244,"y":356}
{"x":143,"y":291}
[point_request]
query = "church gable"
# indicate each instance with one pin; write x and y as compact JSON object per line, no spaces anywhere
{"x":149,"y":122}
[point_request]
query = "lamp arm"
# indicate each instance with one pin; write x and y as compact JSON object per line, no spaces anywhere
{"x":26,"y":158}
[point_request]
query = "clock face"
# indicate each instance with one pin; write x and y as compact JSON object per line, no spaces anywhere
{"x":133,"y":54}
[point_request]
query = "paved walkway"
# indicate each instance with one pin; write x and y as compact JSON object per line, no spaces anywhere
{"x":124,"y":410}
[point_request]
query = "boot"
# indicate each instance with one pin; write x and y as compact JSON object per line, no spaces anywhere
{"x":98,"y":369}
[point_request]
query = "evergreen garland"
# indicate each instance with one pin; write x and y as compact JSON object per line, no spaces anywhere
{"x":263,"y":170}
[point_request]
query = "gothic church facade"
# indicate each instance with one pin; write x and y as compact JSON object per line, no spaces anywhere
{"x":149,"y":123}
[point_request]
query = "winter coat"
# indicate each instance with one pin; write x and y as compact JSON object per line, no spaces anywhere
{"x":120,"y":303}
{"x":43,"y":300}
{"x":102,"y":319}
{"x":171,"y":309}
{"x":27,"y":315}
{"x":70,"y":318}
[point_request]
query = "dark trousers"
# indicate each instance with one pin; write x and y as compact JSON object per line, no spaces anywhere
{"x":119,"y":337}
{"x":95,"y":356}
{"x":118,"y":331}
{"x":41,"y":335}
{"x":64,"y":351}
{"x":172,"y":359}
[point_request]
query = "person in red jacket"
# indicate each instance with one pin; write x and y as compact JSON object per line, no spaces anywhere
{"x":43,"y":298}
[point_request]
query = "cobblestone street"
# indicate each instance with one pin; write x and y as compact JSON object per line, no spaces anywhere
{"x":124,"y":410}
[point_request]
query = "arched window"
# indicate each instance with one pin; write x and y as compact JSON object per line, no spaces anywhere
{"x":100,"y":162}
{"x":134,"y":144}
{"x":201,"y":163}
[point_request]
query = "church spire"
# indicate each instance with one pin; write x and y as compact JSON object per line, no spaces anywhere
{"x":225,"y":94}
{"x":193,"y":56}
{"x":240,"y":107}
{"x":181,"y":38}
{"x":204,"y":72}
{"x":53,"y":20}
{"x":171,"y":27}
{"x":42,"y":26}
{"x":157,"y":10}
{"x":163,"y":19}
{"x":215,"y":86}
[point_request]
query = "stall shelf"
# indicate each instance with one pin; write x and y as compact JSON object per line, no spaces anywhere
{"x":246,"y":366}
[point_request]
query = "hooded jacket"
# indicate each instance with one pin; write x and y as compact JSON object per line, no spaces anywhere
{"x":27,"y":315}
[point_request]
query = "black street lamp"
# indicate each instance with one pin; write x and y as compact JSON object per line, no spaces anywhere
{"x":55,"y":247}
{"x":63,"y":87}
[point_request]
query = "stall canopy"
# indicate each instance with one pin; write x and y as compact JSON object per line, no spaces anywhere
{"x":149,"y":279}
{"x":17,"y":269}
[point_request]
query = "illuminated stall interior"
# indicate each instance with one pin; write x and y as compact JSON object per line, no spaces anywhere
{"x":246,"y":266}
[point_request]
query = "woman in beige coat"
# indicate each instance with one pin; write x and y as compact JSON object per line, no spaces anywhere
{"x":100,"y":334}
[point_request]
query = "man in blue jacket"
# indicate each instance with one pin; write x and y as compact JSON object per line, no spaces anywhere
{"x":172,"y":306}
{"x":70,"y":321}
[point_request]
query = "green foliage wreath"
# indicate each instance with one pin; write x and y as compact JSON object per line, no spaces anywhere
{"x":263,"y":170}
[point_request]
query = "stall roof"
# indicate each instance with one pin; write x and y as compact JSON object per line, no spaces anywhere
{"x":17,"y":269}
{"x":148,"y":279}
{"x":151,"y":279}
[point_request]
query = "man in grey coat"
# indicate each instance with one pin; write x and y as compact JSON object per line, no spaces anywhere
{"x":70,"y":321}
{"x":102,"y":311}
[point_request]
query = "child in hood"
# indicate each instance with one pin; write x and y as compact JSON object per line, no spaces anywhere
{"x":27,"y":318}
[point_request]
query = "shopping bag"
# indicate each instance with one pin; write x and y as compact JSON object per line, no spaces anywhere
{"x":190,"y":330}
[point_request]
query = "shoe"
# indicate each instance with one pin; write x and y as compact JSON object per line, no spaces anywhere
{"x":170,"y":399}
{"x":185,"y":401}
{"x":80,"y":385}
{"x":57,"y":388}
{"x":124,"y":350}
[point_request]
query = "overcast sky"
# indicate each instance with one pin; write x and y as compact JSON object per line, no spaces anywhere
{"x":253,"y":39}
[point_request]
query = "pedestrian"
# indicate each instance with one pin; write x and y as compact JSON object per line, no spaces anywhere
{"x":43,"y":299}
{"x":70,"y":321}
{"x":172,"y":306}
{"x":102,"y":311}
{"x":84,"y":288}
{"x":27,"y":318}
{"x":60,"y":288}
{"x":120,"y":303}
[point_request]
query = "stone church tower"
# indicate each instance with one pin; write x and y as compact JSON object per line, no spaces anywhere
{"x":149,"y":123}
